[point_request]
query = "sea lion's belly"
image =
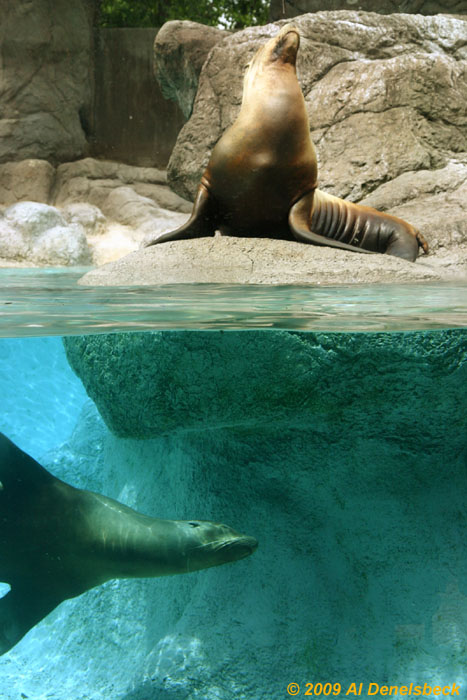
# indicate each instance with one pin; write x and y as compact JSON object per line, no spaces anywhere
{"x":254,"y":191}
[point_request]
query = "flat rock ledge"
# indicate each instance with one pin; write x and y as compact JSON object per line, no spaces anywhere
{"x":231,"y":260}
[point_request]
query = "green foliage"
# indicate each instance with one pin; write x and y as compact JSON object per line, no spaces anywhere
{"x":229,"y":14}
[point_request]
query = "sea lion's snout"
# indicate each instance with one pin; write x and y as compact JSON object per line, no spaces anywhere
{"x":286,"y":44}
{"x":245,"y":546}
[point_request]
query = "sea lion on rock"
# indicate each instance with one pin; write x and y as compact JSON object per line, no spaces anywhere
{"x":261,"y":179}
{"x":57,"y":542}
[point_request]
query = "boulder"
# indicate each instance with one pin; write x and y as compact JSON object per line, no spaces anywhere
{"x":30,"y":180}
{"x":46,"y":79}
{"x":281,"y":9}
{"x":180,"y":50}
{"x":231,"y":260}
{"x":39,"y":233}
{"x":433,"y":197}
{"x":386,"y":101}
{"x":86,"y":215}
{"x":92,"y":181}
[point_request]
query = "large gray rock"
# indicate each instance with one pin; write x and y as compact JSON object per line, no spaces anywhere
{"x":46,"y":79}
{"x":39,"y":234}
{"x":93,"y":181}
{"x":180,"y":50}
{"x":29,"y":179}
{"x":385,"y":96}
{"x":281,"y":9}
{"x":231,"y":260}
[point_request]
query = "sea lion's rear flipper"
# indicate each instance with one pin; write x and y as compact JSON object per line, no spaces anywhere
{"x":323,"y":219}
{"x":314,"y":219}
{"x":200,"y":224}
{"x":20,"y":610}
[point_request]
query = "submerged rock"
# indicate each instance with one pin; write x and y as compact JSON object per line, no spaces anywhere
{"x":148,"y":384}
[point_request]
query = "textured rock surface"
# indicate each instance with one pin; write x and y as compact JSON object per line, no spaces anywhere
{"x":46,"y":79}
{"x":30,"y":180}
{"x":386,"y":100}
{"x":291,"y":8}
{"x":116,"y":204}
{"x":145,"y":384}
{"x":265,"y":261}
{"x":39,"y":233}
{"x":93,"y":181}
{"x":332,"y":460}
{"x":180,"y":50}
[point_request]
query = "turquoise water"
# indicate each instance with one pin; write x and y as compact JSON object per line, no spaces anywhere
{"x":49,"y":302}
{"x":329,"y":423}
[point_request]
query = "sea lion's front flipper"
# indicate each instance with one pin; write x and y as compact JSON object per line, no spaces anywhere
{"x":20,"y":610}
{"x":323,"y":219}
{"x":313,"y":220}
{"x":200,"y":224}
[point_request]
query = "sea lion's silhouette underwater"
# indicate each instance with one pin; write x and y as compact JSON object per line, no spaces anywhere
{"x":261,"y":179}
{"x":57,"y":541}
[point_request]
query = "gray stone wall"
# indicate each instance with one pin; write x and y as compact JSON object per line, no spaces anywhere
{"x":281,"y":9}
{"x":45,"y":77}
{"x":132,"y":121}
{"x":69,"y":91}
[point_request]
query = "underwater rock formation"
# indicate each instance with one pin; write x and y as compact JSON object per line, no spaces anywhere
{"x":344,"y":454}
{"x":153,"y":383}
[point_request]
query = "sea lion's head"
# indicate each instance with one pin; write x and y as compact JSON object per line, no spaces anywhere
{"x":210,"y":544}
{"x":280,"y":52}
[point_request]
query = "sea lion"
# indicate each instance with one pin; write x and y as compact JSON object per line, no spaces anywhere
{"x":57,"y":541}
{"x":261,"y":179}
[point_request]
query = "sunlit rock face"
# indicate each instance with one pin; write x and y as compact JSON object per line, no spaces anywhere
{"x":280,"y":9}
{"x":385,"y":96}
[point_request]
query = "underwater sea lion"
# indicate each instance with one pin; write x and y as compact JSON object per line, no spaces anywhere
{"x":261,"y":179}
{"x":57,"y":541}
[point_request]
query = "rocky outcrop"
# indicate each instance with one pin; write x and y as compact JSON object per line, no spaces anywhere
{"x":94,"y":181}
{"x":281,"y":9}
{"x":39,"y":234}
{"x":115,"y":205}
{"x":231,"y":260}
{"x":46,"y":79}
{"x":386,"y":101}
{"x":29,"y":179}
{"x":180,"y":50}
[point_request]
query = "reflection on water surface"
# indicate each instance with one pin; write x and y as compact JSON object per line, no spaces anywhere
{"x":37,"y":302}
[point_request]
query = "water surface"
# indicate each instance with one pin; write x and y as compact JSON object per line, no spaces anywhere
{"x":46,"y":302}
